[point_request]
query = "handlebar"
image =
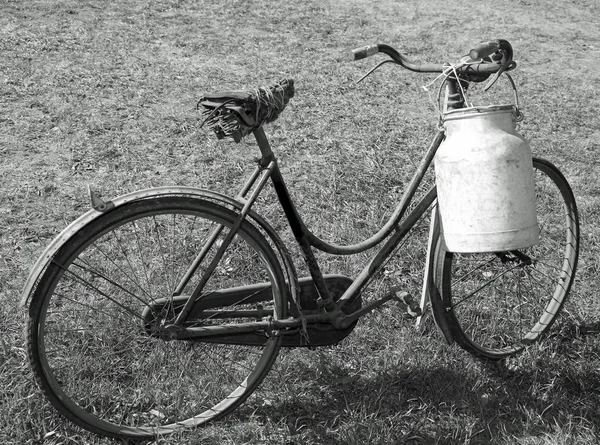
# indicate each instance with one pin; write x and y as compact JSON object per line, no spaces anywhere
{"x":478,"y":65}
{"x":371,"y":50}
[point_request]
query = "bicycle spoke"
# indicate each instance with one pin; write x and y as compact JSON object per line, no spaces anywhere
{"x":555,"y":281}
{"x":109,"y":258}
{"x":114,"y":283}
{"x":141,"y":259}
{"x":484,"y":286}
{"x":551,"y":266}
{"x":84,"y":282}
{"x":162,"y":252}
{"x":545,"y":286}
{"x":80,"y":303}
{"x":471,"y":272}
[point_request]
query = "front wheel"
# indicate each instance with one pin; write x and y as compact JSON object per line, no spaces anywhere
{"x":96,"y":315}
{"x":498,"y":303}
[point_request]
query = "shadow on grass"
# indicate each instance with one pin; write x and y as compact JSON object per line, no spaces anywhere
{"x":442,"y":405}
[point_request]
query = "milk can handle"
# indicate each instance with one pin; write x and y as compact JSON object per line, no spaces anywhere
{"x":518,"y":116}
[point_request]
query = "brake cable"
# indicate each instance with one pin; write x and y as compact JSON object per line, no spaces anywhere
{"x":374,"y":68}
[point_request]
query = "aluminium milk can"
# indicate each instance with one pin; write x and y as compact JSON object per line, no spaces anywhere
{"x":485,"y":184}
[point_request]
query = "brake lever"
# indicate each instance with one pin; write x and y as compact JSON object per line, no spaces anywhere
{"x":506,"y":67}
{"x":373,"y":69}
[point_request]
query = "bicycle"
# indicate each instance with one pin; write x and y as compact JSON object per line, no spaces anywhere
{"x":165,"y":308}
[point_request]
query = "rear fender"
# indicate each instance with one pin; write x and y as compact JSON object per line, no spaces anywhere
{"x":73,"y":228}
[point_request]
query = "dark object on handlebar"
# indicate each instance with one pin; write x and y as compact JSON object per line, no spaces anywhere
{"x":486,"y":49}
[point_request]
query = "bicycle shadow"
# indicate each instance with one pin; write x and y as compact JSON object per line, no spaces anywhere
{"x":446,"y":405}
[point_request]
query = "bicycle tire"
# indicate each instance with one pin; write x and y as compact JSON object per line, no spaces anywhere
{"x":492,"y":302}
{"x":88,"y":339}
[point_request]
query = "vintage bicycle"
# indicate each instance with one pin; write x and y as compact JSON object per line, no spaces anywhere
{"x":165,"y":308}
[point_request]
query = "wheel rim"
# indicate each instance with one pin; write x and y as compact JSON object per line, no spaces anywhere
{"x":118,"y":382}
{"x":496,"y":309}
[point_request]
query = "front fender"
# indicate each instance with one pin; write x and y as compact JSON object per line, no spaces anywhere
{"x":69,"y":231}
{"x":436,"y":255}
{"x":432,"y":279}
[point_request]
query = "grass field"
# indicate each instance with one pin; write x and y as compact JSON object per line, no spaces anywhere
{"x":103,"y":93}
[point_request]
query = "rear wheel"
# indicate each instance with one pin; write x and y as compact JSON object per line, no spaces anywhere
{"x":99,"y":306}
{"x":496,"y":304}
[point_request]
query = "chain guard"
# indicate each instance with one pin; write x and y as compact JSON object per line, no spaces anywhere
{"x":316,"y":334}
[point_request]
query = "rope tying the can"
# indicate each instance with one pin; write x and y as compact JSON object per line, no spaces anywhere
{"x":451,"y":69}
{"x":451,"y":72}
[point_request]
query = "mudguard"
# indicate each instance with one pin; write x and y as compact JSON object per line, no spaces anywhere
{"x":433,"y":278}
{"x":68,"y":233}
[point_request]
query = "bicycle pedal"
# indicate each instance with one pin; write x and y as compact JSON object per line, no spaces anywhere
{"x":408,"y":304}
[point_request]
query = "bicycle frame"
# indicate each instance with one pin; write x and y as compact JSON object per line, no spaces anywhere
{"x":394,"y":230}
{"x":268,"y":169}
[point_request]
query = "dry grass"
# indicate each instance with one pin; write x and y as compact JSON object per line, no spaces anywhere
{"x":103,"y":93}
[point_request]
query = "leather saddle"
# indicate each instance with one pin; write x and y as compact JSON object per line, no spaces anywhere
{"x":238,"y":113}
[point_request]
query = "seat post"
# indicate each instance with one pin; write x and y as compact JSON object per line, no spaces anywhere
{"x":263,"y":144}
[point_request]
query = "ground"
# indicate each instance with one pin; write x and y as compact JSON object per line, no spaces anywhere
{"x":104,"y":94}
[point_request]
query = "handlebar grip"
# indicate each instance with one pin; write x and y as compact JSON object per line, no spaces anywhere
{"x":364,"y":52}
{"x":484,"y":49}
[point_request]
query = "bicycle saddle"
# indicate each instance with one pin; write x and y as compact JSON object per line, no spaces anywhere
{"x":238,"y":113}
